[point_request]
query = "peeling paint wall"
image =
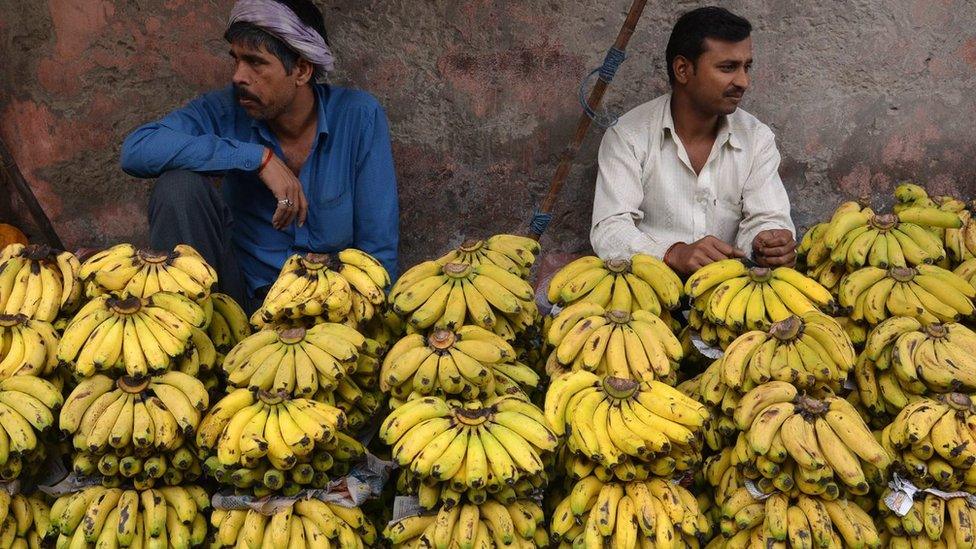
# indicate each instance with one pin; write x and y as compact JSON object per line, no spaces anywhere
{"x":481,"y":97}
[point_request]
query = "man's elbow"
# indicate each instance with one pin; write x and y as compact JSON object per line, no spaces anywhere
{"x":133,"y":158}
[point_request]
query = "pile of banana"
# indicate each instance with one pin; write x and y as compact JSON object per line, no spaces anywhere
{"x":607,"y":418}
{"x":124,"y":271}
{"x":931,"y":521}
{"x":817,"y":442}
{"x":131,"y":335}
{"x":728,"y":298}
{"x":641,"y":283}
{"x":172,"y":516}
{"x":619,"y":343}
{"x":296,"y":361}
{"x":489,"y":524}
{"x":471,"y":362}
{"x":960,"y":243}
{"x":793,"y":520}
{"x":475,"y":446}
{"x":27,"y":408}
{"x":27,"y":347}
{"x":144,"y":469}
{"x":24,"y":520}
{"x":516,"y":254}
{"x":450,"y":295}
{"x":344,"y":287}
{"x":647,"y":513}
{"x":807,"y":351}
{"x":228,"y":324}
{"x":38,"y":282}
{"x":933,"y":442}
{"x":309,"y":523}
{"x":902,"y":239}
{"x":926,"y":292}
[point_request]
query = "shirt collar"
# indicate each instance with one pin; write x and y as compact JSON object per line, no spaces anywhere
{"x":322,"y":120}
{"x":725,"y":134}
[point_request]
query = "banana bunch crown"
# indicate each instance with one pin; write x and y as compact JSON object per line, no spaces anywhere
{"x":27,"y":346}
{"x":926,"y":292}
{"x":930,"y":518}
{"x":933,"y":441}
{"x":38,"y":282}
{"x":489,"y":524}
{"x":636,"y":345}
{"x":123,"y":270}
{"x":470,"y":362}
{"x":600,"y":514}
{"x":228,"y":324}
{"x":805,"y":351}
{"x":609,"y":418}
{"x":819,"y":442}
{"x":450,"y":295}
{"x":472,"y":445}
{"x":116,"y":517}
{"x":297,"y":361}
{"x":796,"y":519}
{"x":310,"y":285}
{"x":134,"y":335}
{"x":516,"y":254}
{"x":641,"y":283}
{"x":309,"y":523}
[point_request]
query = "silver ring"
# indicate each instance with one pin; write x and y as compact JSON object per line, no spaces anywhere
{"x":286,"y":202}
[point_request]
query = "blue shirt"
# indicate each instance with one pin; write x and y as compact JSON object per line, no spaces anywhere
{"x":348,"y":178}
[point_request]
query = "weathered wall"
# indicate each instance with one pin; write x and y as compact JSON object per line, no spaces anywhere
{"x":481,"y":96}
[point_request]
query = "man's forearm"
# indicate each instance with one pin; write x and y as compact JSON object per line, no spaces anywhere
{"x":154,"y":149}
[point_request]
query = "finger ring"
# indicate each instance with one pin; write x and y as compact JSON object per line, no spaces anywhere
{"x":285,"y":202}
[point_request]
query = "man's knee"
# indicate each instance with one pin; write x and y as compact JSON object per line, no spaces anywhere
{"x":180,"y":189}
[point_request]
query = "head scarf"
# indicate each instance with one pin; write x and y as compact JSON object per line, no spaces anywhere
{"x":282,"y":23}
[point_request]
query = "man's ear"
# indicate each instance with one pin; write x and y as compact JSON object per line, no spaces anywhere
{"x":305,"y":71}
{"x":683,"y":69}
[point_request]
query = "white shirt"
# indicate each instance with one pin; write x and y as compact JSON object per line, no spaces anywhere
{"x":648,"y":196}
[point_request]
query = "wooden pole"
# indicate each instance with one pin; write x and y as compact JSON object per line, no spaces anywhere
{"x":27,"y":195}
{"x":583,"y":126}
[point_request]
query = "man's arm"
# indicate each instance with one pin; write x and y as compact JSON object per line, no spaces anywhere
{"x":765,"y":204}
{"x":617,"y":203}
{"x":376,"y":210}
{"x":187,"y":139}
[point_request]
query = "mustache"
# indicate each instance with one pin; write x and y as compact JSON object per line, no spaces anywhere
{"x":241,"y":93}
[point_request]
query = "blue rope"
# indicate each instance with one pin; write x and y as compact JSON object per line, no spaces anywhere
{"x":540,"y":220}
{"x":606,"y":72}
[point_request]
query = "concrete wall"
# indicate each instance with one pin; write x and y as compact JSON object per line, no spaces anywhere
{"x":481,"y":96}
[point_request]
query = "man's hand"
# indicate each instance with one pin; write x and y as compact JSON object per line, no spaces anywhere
{"x":688,"y":258}
{"x":774,"y":248}
{"x":287,"y":189}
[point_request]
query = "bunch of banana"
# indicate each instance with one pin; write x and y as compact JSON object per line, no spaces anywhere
{"x":929,"y":293}
{"x":432,"y":494}
{"x":516,"y":254}
{"x":967,"y":270}
{"x":728,"y":293}
{"x":462,"y":362}
{"x":307,"y":286}
{"x":819,"y":442}
{"x":27,"y":408}
{"x":712,"y":390}
{"x":359,"y":404}
{"x":812,"y":252}
{"x":714,"y":335}
{"x":124,"y":271}
{"x":296,"y":361}
{"x":171,"y":516}
{"x":37,"y":282}
{"x":856,"y":331}
{"x":143,"y":467}
{"x":309,"y":523}
{"x":931,"y":517}
{"x":636,"y":345}
{"x":933,"y":357}
{"x":677,"y":463}
{"x":880,"y":391}
{"x":804,"y":351}
{"x":27,"y":347}
{"x":961,"y":243}
{"x":450,"y":295}
{"x":934,"y":441}
{"x":477,"y":444}
{"x":609,"y":418}
{"x":106,"y":415}
{"x":489,"y":525}
{"x":641,"y":283}
{"x":794,"y":520}
{"x":245,"y":428}
{"x":133,"y":335}
{"x":228,"y":324}
{"x":24,"y":521}
{"x":651,"y":513}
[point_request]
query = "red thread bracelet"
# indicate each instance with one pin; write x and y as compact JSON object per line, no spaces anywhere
{"x":267,"y":158}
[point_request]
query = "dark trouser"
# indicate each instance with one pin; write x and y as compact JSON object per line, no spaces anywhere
{"x":186,"y":208}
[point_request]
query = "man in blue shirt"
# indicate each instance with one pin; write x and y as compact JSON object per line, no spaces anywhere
{"x":306,"y":166}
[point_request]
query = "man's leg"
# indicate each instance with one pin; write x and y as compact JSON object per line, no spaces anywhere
{"x":185,"y":208}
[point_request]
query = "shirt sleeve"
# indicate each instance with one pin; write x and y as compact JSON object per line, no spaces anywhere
{"x":376,"y":213}
{"x":617,"y":203}
{"x":765,"y":204}
{"x":187,"y":139}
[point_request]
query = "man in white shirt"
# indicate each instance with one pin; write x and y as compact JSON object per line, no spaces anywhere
{"x":690,"y":177}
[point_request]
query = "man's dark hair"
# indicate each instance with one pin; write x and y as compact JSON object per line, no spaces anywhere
{"x":255,"y":37}
{"x":691,"y":30}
